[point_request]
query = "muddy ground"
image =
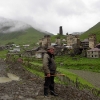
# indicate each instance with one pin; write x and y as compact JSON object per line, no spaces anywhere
{"x":30,"y":87}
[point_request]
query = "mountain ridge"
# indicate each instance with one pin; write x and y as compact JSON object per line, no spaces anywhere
{"x":19,"y":32}
{"x":93,"y":30}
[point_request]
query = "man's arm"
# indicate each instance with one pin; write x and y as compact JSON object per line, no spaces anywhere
{"x":45,"y":64}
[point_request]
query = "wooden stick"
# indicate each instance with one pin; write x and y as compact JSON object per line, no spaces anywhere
{"x":32,"y":79}
{"x":46,"y":76}
{"x":57,"y":75}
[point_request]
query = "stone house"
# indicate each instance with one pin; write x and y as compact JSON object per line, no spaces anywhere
{"x":45,"y":42}
{"x":26,"y":46}
{"x":40,"y":42}
{"x":93,"y":53}
{"x":40,"y":53}
{"x":58,"y":41}
{"x":16,"y":49}
{"x":2,"y":47}
{"x":30,"y":52}
{"x":85,"y":44}
{"x":92,"y":40}
{"x":73,"y":40}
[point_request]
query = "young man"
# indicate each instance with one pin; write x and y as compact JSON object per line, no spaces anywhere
{"x":49,"y":67}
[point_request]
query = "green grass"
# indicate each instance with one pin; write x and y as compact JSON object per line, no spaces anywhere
{"x":62,"y":70}
{"x":3,"y":53}
{"x":36,"y":63}
{"x":81,"y":63}
{"x":74,"y":77}
{"x":38,"y":73}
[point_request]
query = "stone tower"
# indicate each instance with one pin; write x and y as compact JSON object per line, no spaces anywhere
{"x":46,"y":41}
{"x":60,"y":30}
{"x":73,"y":40}
{"x":92,"y":40}
{"x":58,"y":41}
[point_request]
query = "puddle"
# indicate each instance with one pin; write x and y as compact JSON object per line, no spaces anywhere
{"x":5,"y":79}
{"x":9,"y":78}
{"x":13,"y":76}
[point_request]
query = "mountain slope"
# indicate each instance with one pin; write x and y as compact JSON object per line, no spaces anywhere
{"x":18,"y":32}
{"x":22,"y":37}
{"x":93,"y":30}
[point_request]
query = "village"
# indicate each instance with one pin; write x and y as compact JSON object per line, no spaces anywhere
{"x":69,"y":45}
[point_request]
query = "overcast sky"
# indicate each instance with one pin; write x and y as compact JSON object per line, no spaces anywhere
{"x":48,"y":15}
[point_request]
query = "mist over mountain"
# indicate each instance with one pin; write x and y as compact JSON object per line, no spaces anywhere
{"x":8,"y":25}
{"x":19,"y":32}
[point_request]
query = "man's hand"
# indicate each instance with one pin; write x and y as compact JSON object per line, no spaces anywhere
{"x":48,"y":75}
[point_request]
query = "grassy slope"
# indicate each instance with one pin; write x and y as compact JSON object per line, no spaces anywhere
{"x":81,"y":63}
{"x":29,"y":36}
{"x":63,"y":69}
{"x":94,"y":30}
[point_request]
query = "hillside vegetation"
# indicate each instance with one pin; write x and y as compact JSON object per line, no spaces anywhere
{"x":54,"y":37}
{"x":93,"y":30}
{"x":29,"y":36}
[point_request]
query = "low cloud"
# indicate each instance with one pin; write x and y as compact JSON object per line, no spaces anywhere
{"x":48,"y":15}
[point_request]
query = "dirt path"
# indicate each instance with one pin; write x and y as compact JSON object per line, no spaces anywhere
{"x":91,"y":77}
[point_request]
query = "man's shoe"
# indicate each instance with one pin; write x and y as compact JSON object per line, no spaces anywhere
{"x":46,"y":96}
{"x":53,"y":93}
{"x":45,"y":92}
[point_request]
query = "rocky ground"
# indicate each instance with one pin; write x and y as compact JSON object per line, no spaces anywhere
{"x":30,"y":87}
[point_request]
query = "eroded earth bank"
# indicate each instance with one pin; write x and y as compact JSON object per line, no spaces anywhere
{"x":30,"y":86}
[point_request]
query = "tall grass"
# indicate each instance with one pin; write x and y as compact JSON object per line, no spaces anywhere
{"x":81,"y":63}
{"x":3,"y":53}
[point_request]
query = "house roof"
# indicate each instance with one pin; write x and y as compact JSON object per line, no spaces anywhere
{"x":94,"y":49}
{"x":85,"y":40}
{"x":35,"y":48}
{"x":41,"y":51}
{"x":53,"y":44}
{"x":98,"y":45}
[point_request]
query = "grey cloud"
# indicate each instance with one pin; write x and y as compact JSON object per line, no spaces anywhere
{"x":96,"y":6}
{"x":73,"y":15}
{"x":74,"y":7}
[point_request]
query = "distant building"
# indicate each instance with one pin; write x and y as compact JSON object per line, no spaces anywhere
{"x":85,"y":44}
{"x":73,"y":40}
{"x":16,"y":49}
{"x":92,"y":40}
{"x":60,"y":30}
{"x":53,"y":44}
{"x":2,"y":47}
{"x":46,"y":41}
{"x":93,"y":53}
{"x":58,"y":41}
{"x":26,"y":45}
{"x":40,"y":53}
